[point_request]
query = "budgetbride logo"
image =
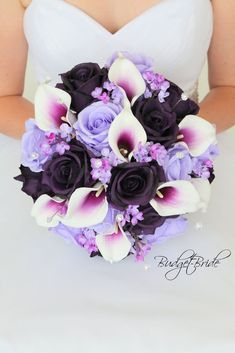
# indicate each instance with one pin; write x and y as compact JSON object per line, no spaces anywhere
{"x":188,"y":262}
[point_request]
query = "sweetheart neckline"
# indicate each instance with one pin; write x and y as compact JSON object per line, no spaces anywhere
{"x":129,"y":23}
{"x":96,"y":23}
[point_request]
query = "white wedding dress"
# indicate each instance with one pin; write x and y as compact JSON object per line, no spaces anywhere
{"x":53,"y":297}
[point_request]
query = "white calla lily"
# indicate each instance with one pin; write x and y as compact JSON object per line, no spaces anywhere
{"x":197,"y":133}
{"x":126,"y":75}
{"x":86,"y":207}
{"x":48,"y":211}
{"x":114,"y":246}
{"x":176,"y":198}
{"x":125,"y":133}
{"x":51,"y":107}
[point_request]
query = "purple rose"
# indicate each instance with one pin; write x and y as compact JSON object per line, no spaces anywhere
{"x":158,"y":120}
{"x":35,"y":147}
{"x":134,"y":184}
{"x":148,"y":225}
{"x":32,"y":183}
{"x":142,"y":62}
{"x":81,"y":81}
{"x":93,"y":125}
{"x":178,"y":163}
{"x":65,"y":173}
{"x":179,"y":106}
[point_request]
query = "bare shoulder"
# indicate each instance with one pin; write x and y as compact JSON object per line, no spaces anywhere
{"x":222,"y":49}
{"x":25,"y":3}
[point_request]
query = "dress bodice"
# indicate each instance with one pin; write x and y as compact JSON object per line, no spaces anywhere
{"x":176,"y":33}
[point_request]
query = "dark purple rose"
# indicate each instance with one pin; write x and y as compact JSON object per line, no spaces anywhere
{"x":65,"y":173}
{"x":212,"y":175}
{"x":32,"y":183}
{"x":178,"y":105}
{"x":151,"y":221}
{"x":157,"y":119}
{"x":134,"y":184}
{"x":80,"y":82}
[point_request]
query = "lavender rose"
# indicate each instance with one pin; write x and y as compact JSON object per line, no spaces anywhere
{"x":178,"y":164}
{"x":134,"y":184}
{"x":148,"y":225}
{"x":172,"y":227}
{"x":65,"y":173}
{"x":35,"y":147}
{"x":142,"y":62}
{"x":158,"y":120}
{"x":179,"y":106}
{"x":81,"y":81}
{"x":93,"y":124}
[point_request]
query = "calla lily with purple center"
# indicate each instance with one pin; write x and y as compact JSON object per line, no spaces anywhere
{"x":51,"y":107}
{"x":86,"y":207}
{"x":126,"y":75}
{"x":176,"y":198}
{"x":197,"y":133}
{"x":125,"y":134}
{"x":115,"y":245}
{"x":49,"y":211}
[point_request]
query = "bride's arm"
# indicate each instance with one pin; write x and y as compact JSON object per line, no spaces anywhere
{"x":14,"y":109}
{"x":219,"y":105}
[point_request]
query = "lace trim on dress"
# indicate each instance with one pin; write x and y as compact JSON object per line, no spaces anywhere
{"x":192,"y":93}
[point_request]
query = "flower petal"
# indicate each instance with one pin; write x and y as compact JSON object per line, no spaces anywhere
{"x":48,"y":211}
{"x":197,"y":133}
{"x":51,"y":104}
{"x":114,"y":246}
{"x":86,"y":207}
{"x":203,"y":187}
{"x":176,"y":198}
{"x":125,"y":133}
{"x":126,"y":75}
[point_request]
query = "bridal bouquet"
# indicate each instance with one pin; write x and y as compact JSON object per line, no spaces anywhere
{"x":116,"y":157}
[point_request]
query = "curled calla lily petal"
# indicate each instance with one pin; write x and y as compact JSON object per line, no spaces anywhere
{"x":51,"y":107}
{"x":125,"y":133}
{"x":48,"y":211}
{"x":176,"y":198}
{"x":114,"y":246}
{"x":203,"y":187}
{"x":86,"y":207}
{"x":197,"y":133}
{"x":126,"y":75}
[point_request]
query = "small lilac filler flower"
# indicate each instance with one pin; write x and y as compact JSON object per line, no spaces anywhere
{"x":109,"y":92}
{"x":101,"y":167}
{"x":140,"y":250}
{"x":156,"y":83}
{"x":86,"y":238}
{"x":150,"y":151}
{"x":132,"y":215}
{"x":62,"y":147}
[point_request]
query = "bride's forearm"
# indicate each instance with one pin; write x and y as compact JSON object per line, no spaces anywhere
{"x":218,"y":107}
{"x":14,"y":111}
